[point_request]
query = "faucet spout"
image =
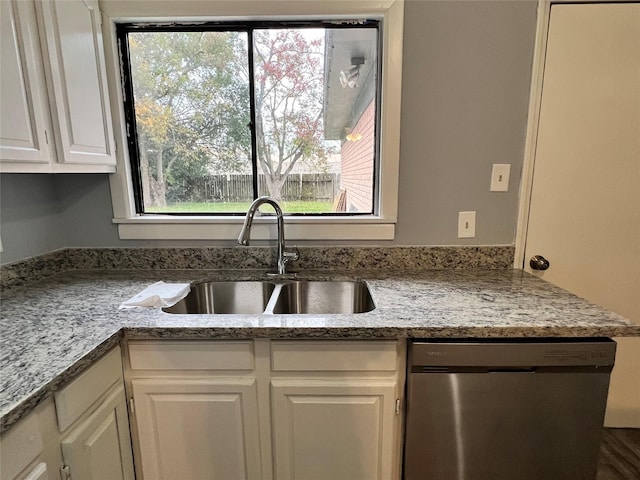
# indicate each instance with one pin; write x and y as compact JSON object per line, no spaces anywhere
{"x":243,"y":239}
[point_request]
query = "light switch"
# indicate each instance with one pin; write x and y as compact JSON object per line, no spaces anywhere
{"x":466,"y":224}
{"x":500,"y":177}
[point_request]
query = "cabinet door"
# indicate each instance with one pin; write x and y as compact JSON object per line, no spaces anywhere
{"x":20,"y":446}
{"x":334,"y":429}
{"x":39,"y":472}
{"x":197,"y":428}
{"x":81,"y":111}
{"x":99,"y":447}
{"x":24,"y":112}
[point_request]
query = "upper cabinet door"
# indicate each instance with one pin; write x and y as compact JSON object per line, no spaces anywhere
{"x":79,"y":96}
{"x":24,"y":112}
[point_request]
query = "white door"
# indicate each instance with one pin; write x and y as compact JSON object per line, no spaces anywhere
{"x":585,"y":202}
{"x":334,"y":429}
{"x":99,"y":448}
{"x":197,"y":429}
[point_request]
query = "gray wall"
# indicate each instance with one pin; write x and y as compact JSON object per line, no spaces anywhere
{"x":466,"y":75}
{"x":30,"y":220}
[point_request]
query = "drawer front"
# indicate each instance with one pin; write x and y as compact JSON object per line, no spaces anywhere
{"x":336,"y":356}
{"x":19,"y":446}
{"x":76,"y":398}
{"x":191,"y":355}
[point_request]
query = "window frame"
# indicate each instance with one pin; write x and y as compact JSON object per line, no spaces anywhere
{"x":124,"y":30}
{"x":378,"y":226}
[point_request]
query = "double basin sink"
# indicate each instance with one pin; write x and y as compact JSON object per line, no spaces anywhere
{"x":287,"y":297}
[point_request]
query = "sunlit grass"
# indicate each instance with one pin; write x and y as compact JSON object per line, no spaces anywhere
{"x":242,"y":207}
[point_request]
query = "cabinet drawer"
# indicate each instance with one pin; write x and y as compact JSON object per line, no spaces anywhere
{"x":338,"y":356}
{"x":20,"y":446}
{"x":191,"y":355}
{"x":76,"y":398}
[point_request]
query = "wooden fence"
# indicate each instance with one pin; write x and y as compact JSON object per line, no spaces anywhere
{"x":239,"y":188}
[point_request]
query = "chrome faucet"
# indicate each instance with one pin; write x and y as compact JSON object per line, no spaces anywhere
{"x":245,"y":233}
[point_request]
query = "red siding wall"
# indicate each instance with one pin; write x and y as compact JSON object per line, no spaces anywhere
{"x":357,"y":164}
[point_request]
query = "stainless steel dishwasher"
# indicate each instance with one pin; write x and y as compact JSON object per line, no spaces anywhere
{"x":506,"y":409}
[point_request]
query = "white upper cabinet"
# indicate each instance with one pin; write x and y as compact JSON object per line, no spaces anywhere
{"x":80,"y":101}
{"x":72,"y":57}
{"x":23,"y":99}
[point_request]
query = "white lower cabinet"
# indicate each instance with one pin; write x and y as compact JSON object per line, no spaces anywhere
{"x":195,"y":410}
{"x":29,"y":449}
{"x":99,"y":447}
{"x":92,"y":418}
{"x":267,"y":410}
{"x":198,"y":428}
{"x":337,"y":429}
{"x":81,"y":433}
{"x":39,"y":472}
{"x":220,"y":410}
{"x":335,"y":409}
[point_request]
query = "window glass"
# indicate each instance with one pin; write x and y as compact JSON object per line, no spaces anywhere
{"x":191,"y":93}
{"x":224,"y":115}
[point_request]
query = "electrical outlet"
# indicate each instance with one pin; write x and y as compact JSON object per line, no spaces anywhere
{"x":500,"y":177}
{"x":466,"y":224}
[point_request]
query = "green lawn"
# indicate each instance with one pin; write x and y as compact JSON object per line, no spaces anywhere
{"x":242,"y":207}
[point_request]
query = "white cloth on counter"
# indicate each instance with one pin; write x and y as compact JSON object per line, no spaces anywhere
{"x":158,"y":295}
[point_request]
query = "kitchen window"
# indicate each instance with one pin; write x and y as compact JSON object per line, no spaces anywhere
{"x":220,"y":114}
{"x":220,"y":111}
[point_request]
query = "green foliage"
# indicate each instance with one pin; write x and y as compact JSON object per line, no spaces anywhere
{"x":289,"y":95}
{"x":190,"y":106}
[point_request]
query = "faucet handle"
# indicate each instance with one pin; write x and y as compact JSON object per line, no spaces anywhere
{"x":291,"y":256}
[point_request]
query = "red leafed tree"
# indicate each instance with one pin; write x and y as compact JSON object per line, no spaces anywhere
{"x":288,"y":94}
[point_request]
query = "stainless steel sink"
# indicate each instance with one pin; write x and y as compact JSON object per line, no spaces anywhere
{"x":287,"y":297}
{"x":324,"y":297}
{"x":225,"y":297}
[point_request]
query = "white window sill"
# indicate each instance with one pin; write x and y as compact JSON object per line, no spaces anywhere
{"x":164,"y":227}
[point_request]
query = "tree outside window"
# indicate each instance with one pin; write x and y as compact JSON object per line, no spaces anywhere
{"x":199,"y":147}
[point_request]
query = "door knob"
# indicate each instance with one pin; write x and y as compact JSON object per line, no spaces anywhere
{"x":538,"y":262}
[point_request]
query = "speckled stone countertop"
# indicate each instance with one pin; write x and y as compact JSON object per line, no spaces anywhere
{"x":53,"y":328}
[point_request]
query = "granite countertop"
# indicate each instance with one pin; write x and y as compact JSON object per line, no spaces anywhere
{"x":52,"y":329}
